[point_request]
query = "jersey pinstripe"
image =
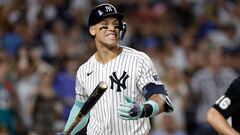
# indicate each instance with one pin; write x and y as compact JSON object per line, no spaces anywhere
{"x":127,"y":74}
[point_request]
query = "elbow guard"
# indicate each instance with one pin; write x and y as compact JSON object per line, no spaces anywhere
{"x":151,"y":89}
{"x":168,"y":105}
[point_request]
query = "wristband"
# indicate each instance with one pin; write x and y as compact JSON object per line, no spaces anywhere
{"x":150,"y":109}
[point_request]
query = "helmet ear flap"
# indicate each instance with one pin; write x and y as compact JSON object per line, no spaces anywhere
{"x":123,"y":29}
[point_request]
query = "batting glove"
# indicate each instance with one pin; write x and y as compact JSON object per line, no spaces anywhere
{"x":130,"y":110}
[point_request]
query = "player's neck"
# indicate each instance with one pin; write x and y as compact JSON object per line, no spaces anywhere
{"x":104,"y":55}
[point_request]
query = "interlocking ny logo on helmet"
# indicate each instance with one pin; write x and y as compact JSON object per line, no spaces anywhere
{"x":102,"y":11}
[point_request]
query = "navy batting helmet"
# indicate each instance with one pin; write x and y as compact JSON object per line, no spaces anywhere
{"x":102,"y":11}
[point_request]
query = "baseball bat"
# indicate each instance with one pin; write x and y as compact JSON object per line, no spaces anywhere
{"x":87,"y":106}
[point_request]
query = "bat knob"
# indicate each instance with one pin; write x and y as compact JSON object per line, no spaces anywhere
{"x":103,"y":85}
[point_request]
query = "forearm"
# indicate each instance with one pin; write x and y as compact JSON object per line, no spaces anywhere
{"x":157,"y":102}
{"x":156,"y":98}
{"x":219,"y":123}
{"x":162,"y":104}
{"x":74,"y":112}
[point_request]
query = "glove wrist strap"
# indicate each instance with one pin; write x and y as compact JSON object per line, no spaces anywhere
{"x":150,"y":109}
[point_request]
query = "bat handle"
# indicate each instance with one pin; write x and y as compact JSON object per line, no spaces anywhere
{"x":74,"y":124}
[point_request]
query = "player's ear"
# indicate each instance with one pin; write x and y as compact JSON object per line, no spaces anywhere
{"x":92,"y":31}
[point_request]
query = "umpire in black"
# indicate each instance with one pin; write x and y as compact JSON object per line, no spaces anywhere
{"x":225,"y":107}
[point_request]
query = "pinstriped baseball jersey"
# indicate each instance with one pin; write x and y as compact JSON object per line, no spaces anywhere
{"x":126,"y":74}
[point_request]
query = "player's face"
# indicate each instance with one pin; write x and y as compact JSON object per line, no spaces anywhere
{"x":107,"y":31}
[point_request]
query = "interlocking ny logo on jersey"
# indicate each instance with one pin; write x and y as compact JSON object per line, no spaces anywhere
{"x":120,"y":82}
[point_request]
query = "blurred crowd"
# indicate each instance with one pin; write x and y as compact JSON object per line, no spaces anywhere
{"x":195,"y":45}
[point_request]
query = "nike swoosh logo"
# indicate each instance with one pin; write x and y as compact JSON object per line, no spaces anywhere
{"x":89,"y":73}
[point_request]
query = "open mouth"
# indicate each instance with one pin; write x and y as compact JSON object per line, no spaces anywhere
{"x":112,"y":35}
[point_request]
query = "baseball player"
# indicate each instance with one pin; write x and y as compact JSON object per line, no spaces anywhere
{"x":226,"y":106}
{"x":135,"y":92}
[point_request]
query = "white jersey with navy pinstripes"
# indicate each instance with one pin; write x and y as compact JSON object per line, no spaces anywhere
{"x":126,"y":74}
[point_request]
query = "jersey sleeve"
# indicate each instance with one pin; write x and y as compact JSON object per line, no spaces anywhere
{"x":229,"y":103}
{"x":146,"y":72}
{"x":81,"y":94}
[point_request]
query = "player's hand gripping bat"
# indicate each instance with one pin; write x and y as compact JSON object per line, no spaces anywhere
{"x":87,"y":106}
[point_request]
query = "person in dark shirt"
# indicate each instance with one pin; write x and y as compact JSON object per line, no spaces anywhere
{"x":225,"y":107}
